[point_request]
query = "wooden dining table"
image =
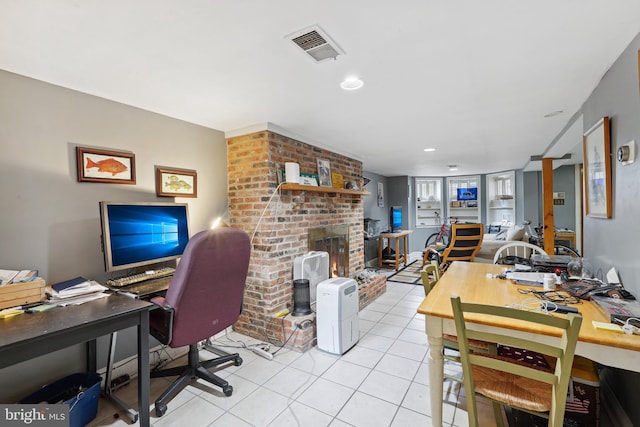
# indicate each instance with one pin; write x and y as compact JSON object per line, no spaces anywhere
{"x":477,"y":283}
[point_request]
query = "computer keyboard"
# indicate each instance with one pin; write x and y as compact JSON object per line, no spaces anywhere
{"x":147,"y":275}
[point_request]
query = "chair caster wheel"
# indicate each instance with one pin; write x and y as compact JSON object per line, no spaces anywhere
{"x":161,"y":409}
{"x":237,"y":361}
{"x":228,"y":390}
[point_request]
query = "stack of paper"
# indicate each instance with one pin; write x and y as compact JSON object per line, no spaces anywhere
{"x":75,"y":291}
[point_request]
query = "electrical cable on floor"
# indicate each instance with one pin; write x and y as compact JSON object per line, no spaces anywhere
{"x":294,"y":333}
{"x":160,"y":361}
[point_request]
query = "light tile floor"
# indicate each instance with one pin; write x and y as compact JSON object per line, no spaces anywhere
{"x":382,"y":381}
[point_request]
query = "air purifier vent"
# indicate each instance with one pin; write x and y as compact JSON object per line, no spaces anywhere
{"x":316,"y":43}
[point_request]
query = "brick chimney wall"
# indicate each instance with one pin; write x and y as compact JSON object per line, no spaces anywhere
{"x":279,"y":221}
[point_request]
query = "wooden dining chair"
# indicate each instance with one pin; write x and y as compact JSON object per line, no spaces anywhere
{"x":516,"y":251}
{"x":505,"y":381}
{"x":430,"y":275}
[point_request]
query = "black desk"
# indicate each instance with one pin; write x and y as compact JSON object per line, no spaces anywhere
{"x":145,"y":291}
{"x":26,"y":336}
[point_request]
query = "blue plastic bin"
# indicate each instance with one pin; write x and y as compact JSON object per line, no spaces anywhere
{"x":83,"y":406}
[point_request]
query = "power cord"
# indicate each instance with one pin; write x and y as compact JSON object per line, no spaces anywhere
{"x":627,"y":327}
{"x":276,"y":191}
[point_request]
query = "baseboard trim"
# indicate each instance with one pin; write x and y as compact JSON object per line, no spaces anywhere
{"x":611,"y":405}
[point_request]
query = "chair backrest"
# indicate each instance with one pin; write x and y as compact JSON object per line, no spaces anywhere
{"x":429,"y":282}
{"x":562,"y":348}
{"x":516,"y":249}
{"x":207,"y":287}
{"x":465,"y":242}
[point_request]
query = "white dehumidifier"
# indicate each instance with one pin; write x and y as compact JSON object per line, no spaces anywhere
{"x":337,"y":315}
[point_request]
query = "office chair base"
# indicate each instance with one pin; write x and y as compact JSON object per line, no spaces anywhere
{"x":194,"y":369}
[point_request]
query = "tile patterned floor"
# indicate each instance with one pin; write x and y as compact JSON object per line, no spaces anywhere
{"x":382,"y":381}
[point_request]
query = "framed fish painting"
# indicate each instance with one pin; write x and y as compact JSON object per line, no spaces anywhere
{"x":110,"y":167}
{"x":172,"y":182}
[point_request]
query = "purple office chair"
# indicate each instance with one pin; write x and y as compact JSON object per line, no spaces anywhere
{"x":204,"y":298}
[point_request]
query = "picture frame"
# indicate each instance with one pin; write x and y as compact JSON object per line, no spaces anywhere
{"x":105,"y":166}
{"x":173,"y":182}
{"x":380,"y":195}
{"x":324,"y":173}
{"x":337,"y":180}
{"x":596,"y":144}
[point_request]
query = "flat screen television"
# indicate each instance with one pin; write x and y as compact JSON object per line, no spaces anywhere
{"x":468,"y":193}
{"x":138,"y":234}
{"x":395,"y":219}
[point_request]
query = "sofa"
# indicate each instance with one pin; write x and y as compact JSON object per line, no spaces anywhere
{"x":491,"y":242}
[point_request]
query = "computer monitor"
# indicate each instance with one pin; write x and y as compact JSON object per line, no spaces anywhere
{"x":395,"y":219}
{"x":139,"y":234}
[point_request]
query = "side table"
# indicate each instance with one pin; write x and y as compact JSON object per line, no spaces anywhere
{"x":401,"y":235}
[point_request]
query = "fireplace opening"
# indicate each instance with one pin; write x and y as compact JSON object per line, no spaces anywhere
{"x":335,"y":241}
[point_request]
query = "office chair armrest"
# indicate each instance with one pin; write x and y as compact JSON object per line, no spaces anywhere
{"x":161,"y":320}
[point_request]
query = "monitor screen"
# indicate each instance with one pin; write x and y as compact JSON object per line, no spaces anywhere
{"x":138,"y":234}
{"x":395,"y":219}
{"x":467,"y":193}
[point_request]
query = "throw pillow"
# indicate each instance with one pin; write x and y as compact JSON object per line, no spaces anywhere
{"x":515,"y":233}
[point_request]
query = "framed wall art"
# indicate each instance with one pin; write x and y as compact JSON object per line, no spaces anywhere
{"x":337,"y":180}
{"x":171,"y":182}
{"x":596,"y":144}
{"x":324,"y":173}
{"x":111,"y":167}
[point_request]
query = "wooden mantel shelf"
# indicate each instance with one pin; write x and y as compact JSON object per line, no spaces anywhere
{"x":313,"y":188}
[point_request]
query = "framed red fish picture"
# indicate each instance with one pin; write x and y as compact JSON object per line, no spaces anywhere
{"x":171,"y":182}
{"x":111,"y":167}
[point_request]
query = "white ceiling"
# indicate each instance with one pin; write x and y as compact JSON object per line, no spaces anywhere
{"x":472,"y":79}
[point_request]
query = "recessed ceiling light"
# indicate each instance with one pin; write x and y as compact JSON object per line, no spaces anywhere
{"x":429,"y":149}
{"x":351,"y":83}
{"x":453,"y":167}
{"x":554,"y":113}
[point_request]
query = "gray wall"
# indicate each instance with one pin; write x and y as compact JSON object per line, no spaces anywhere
{"x":531,"y":202}
{"x":564,"y":216}
{"x":50,"y":222}
{"x":373,"y":211}
{"x":564,"y":179}
{"x":370,"y":203}
{"x":614,"y":242}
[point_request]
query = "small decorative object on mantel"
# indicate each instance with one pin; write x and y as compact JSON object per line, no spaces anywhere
{"x":351,"y":185}
{"x":309,"y":179}
{"x":109,"y":167}
{"x":171,"y":182}
{"x":337,"y":180}
{"x":324,"y":173}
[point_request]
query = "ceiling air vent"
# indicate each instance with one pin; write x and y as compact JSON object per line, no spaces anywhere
{"x":316,"y":43}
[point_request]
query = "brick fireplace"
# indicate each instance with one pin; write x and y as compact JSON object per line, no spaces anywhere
{"x":279,"y":223}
